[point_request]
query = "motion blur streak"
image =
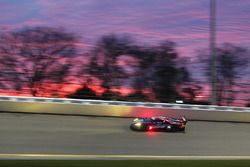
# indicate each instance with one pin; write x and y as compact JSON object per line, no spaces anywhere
{"x":28,"y":134}
{"x":78,"y":156}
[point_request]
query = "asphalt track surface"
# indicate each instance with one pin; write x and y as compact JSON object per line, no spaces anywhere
{"x":35,"y":134}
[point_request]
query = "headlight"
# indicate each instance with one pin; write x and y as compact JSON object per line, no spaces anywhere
{"x":138,"y":124}
{"x":136,"y":119}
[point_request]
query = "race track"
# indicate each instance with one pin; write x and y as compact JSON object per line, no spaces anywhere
{"x":51,"y":134}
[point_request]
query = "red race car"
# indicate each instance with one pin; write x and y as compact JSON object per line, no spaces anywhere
{"x":159,"y":123}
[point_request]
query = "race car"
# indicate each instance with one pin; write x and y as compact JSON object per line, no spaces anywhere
{"x":159,"y":123}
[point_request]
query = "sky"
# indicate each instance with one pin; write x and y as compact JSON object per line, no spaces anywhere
{"x":185,"y":22}
{"x":148,"y":22}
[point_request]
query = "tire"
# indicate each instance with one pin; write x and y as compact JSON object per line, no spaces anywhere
{"x":145,"y":127}
{"x":183,"y":129}
{"x":169,"y":128}
{"x":142,"y":128}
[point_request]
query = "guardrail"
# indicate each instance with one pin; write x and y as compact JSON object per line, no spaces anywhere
{"x":121,"y":108}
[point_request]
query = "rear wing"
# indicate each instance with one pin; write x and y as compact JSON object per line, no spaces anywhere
{"x":183,"y":119}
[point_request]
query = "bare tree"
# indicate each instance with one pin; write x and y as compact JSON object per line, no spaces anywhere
{"x":160,"y":72}
{"x":103,"y":64}
{"x":231,"y":62}
{"x":36,"y":60}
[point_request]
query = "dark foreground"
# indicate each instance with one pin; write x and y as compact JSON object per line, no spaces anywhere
{"x":126,"y":163}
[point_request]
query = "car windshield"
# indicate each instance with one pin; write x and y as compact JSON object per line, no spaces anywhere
{"x":156,"y":119}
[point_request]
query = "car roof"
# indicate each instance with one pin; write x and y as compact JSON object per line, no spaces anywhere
{"x":159,"y":117}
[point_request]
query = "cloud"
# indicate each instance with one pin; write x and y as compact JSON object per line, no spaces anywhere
{"x":184,"y":22}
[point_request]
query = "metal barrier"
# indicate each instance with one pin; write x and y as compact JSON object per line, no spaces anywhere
{"x":121,"y":108}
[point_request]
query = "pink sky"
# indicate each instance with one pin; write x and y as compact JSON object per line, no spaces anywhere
{"x":184,"y":22}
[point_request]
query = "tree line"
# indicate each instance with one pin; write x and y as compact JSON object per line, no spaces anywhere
{"x":40,"y":60}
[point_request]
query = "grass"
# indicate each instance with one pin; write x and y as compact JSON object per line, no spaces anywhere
{"x":124,"y":163}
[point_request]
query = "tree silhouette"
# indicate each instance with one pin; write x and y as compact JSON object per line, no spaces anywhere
{"x":191,"y":91}
{"x":103,"y":64}
{"x":36,"y":60}
{"x":84,"y":93}
{"x":159,"y":71}
{"x":231,"y":62}
{"x":156,"y":69}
